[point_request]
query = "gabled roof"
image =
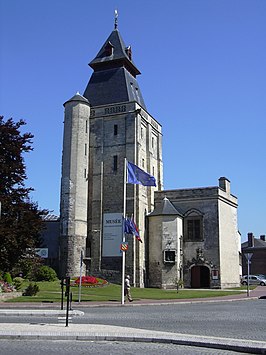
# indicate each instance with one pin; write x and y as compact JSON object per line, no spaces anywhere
{"x":165,"y":208}
{"x":258,"y":243}
{"x":114,"y":53}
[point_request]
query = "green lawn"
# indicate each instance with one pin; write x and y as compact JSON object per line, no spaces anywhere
{"x":51,"y":292}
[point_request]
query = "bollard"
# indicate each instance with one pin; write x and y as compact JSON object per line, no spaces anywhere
{"x":67,"y":294}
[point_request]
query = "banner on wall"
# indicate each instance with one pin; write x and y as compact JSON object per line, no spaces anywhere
{"x":112,"y":234}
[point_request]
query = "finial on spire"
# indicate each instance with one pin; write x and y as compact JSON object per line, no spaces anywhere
{"x":116,"y":19}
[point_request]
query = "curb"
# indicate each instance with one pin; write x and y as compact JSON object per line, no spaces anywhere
{"x":39,"y":312}
{"x":135,"y":335}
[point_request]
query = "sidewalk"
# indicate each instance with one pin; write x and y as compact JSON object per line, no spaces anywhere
{"x":98,"y":332}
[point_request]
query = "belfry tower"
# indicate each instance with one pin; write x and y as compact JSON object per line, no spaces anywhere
{"x":110,"y":122}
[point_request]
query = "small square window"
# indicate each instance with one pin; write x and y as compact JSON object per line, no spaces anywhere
{"x":169,"y":256}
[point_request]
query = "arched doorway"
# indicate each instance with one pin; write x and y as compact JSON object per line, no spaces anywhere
{"x":200,"y":276}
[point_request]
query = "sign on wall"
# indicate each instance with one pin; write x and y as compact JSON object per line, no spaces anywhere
{"x":112,"y":234}
{"x":215,"y":274}
{"x":42,"y":252}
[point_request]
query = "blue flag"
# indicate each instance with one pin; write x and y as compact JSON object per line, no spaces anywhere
{"x":135,"y":175}
{"x":135,"y":229}
{"x":127,"y":226}
{"x":130,"y":227}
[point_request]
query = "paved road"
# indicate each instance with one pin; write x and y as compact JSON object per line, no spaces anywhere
{"x":239,"y":320}
{"x":63,"y":347}
{"x":162,"y":328}
{"x":242,"y":320}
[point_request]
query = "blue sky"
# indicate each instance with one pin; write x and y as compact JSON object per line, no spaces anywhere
{"x":203,"y":78}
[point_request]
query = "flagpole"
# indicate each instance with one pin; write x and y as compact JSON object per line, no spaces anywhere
{"x":80,"y":274}
{"x":124,"y":237}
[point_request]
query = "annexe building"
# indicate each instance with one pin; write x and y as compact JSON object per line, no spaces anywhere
{"x":193,"y":238}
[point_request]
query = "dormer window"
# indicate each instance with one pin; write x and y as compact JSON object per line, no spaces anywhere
{"x":129,"y":52}
{"x":109,"y":48}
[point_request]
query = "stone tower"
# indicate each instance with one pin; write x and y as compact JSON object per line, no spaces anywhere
{"x":74,"y":184}
{"x":119,"y":127}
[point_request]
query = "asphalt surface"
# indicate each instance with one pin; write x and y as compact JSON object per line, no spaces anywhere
{"x":66,"y":347}
{"x":103,"y":332}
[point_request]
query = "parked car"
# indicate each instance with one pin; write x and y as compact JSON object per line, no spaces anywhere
{"x":254,"y":280}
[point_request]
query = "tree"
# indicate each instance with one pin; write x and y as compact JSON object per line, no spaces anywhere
{"x":20,"y":220}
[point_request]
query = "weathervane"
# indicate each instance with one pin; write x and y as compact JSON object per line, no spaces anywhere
{"x":116,"y":18}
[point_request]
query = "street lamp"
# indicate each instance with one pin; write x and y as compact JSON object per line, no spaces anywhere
{"x":248,"y":257}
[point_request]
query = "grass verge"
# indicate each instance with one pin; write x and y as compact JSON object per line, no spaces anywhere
{"x":51,"y":292}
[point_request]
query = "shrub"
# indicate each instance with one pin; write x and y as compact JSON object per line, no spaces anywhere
{"x":45,"y":273}
{"x":7,"y":278}
{"x":31,"y":290}
{"x":27,"y":267}
{"x":17,"y":281}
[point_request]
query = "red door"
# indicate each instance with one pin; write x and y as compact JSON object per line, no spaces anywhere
{"x":195,"y":277}
{"x":200,"y":277}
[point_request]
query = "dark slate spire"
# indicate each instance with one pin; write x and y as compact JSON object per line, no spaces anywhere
{"x":113,"y":54}
{"x":114,"y":76}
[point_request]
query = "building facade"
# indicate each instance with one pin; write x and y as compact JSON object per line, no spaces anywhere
{"x":188,"y":235}
{"x":104,"y":126}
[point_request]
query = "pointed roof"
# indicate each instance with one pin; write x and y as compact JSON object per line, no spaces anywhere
{"x":165,"y":208}
{"x":114,"y":77}
{"x":113,"y":54}
{"x":79,"y":98}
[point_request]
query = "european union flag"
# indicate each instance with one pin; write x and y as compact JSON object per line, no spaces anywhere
{"x":135,"y":175}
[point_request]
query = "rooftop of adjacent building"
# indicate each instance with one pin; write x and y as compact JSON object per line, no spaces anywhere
{"x":252,"y":242}
{"x":222,"y":191}
{"x":51,"y":217}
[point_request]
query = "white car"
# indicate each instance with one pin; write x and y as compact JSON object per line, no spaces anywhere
{"x":254,"y":280}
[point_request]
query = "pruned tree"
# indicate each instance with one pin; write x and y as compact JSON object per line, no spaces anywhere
{"x":20,"y":219}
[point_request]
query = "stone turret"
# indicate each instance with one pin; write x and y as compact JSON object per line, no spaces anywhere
{"x":74,"y":184}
